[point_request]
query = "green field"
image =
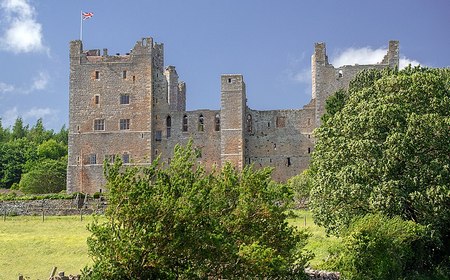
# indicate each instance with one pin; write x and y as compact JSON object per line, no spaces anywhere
{"x":318,"y":243}
{"x":32,"y":248}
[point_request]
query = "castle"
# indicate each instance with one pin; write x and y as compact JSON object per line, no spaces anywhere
{"x":132,"y":106}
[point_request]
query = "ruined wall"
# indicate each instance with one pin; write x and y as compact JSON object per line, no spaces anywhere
{"x":326,"y":79}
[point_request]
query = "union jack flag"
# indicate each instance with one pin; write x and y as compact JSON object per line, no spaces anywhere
{"x":87,"y":15}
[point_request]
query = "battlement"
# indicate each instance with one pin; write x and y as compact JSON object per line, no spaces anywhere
{"x":143,"y":47}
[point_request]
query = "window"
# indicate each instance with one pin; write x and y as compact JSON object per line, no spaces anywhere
{"x":309,"y":121}
{"x":92,"y":159}
{"x":124,"y":74}
{"x":124,"y":124}
{"x":288,"y":163}
{"x":201,"y":123}
{"x":99,"y":124}
{"x":217,"y":123}
{"x":124,"y":99}
{"x":281,"y":121}
{"x":126,"y":158}
{"x":97,"y":99}
{"x":309,"y":150}
{"x":340,"y":74}
{"x":158,"y":135}
{"x":168,"y":125}
{"x":110,"y":158}
{"x":185,"y":123}
{"x":230,"y":80}
{"x":97,"y":75}
{"x":249,"y":123}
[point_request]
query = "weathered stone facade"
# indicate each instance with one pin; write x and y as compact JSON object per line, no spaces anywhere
{"x":133,"y":107}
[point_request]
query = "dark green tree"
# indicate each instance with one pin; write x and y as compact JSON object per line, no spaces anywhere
{"x":19,"y":130}
{"x":38,"y":133}
{"x":45,"y":176}
{"x":386,"y":149}
{"x":4,"y":133}
{"x":181,"y":223}
{"x":14,"y":157}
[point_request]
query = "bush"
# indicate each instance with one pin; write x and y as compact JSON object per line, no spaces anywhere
{"x":377,"y":247}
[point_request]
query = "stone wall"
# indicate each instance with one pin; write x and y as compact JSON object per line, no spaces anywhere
{"x":51,"y":207}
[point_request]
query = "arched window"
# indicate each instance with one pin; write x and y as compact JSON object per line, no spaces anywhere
{"x":185,"y":123}
{"x":168,"y":125}
{"x":249,"y":123}
{"x":217,"y":122}
{"x":201,"y":123}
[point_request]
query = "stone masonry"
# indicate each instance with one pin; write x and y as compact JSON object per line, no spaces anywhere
{"x":131,"y":106}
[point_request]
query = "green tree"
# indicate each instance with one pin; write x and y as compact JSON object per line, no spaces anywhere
{"x":14,"y":157}
{"x":301,"y":186}
{"x":19,"y":130}
{"x":45,"y":176}
{"x":387,"y":149}
{"x":51,"y":149}
{"x":181,"y":223}
{"x":38,"y":133}
{"x":4,"y":133}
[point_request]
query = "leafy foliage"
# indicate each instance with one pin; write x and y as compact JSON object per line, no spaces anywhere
{"x":23,"y":150}
{"x":46,"y":176}
{"x":387,"y":150}
{"x":301,"y":186}
{"x":377,"y":247}
{"x":180,"y":222}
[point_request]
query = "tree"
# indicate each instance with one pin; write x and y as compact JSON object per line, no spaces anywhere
{"x":51,"y":149}
{"x":45,"y":176}
{"x":19,"y":130}
{"x":181,"y":223}
{"x":14,"y":157}
{"x":4,"y":133}
{"x":386,"y":149}
{"x":38,"y":134}
{"x":301,"y":186}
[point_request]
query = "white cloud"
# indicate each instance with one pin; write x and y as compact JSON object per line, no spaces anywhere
{"x":5,"y":87}
{"x":366,"y":55}
{"x":40,"y":82}
{"x":47,"y":114}
{"x":9,"y":117}
{"x":23,"y":33}
{"x":301,"y":76}
{"x":36,"y":113}
{"x":405,"y":62}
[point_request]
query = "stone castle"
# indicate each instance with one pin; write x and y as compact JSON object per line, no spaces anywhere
{"x":132,"y":106}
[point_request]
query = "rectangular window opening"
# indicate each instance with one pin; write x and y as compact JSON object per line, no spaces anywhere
{"x":288,"y":161}
{"x":124,"y":74}
{"x":124,"y":99}
{"x":97,"y":99}
{"x":97,"y":75}
{"x":124,"y":124}
{"x":158,"y":135}
{"x":92,"y":159}
{"x":126,"y":158}
{"x":99,"y":124}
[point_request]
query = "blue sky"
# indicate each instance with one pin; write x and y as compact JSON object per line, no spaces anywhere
{"x":269,"y":42}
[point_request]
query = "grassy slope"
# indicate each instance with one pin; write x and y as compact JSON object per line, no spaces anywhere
{"x":318,"y":243}
{"x":32,"y":248}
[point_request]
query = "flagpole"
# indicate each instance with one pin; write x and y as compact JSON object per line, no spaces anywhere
{"x":81,"y":25}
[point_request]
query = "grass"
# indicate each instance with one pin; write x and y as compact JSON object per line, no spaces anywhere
{"x":319,"y":242}
{"x":32,"y":248}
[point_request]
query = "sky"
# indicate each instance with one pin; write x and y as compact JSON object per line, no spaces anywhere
{"x":269,"y":42}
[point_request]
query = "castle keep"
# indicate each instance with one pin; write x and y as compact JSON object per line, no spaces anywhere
{"x":133,"y":107}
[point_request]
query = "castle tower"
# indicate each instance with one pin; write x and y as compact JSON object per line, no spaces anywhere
{"x":233,"y":106}
{"x":110,"y":110}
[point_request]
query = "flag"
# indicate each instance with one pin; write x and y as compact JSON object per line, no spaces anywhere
{"x":87,"y":15}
